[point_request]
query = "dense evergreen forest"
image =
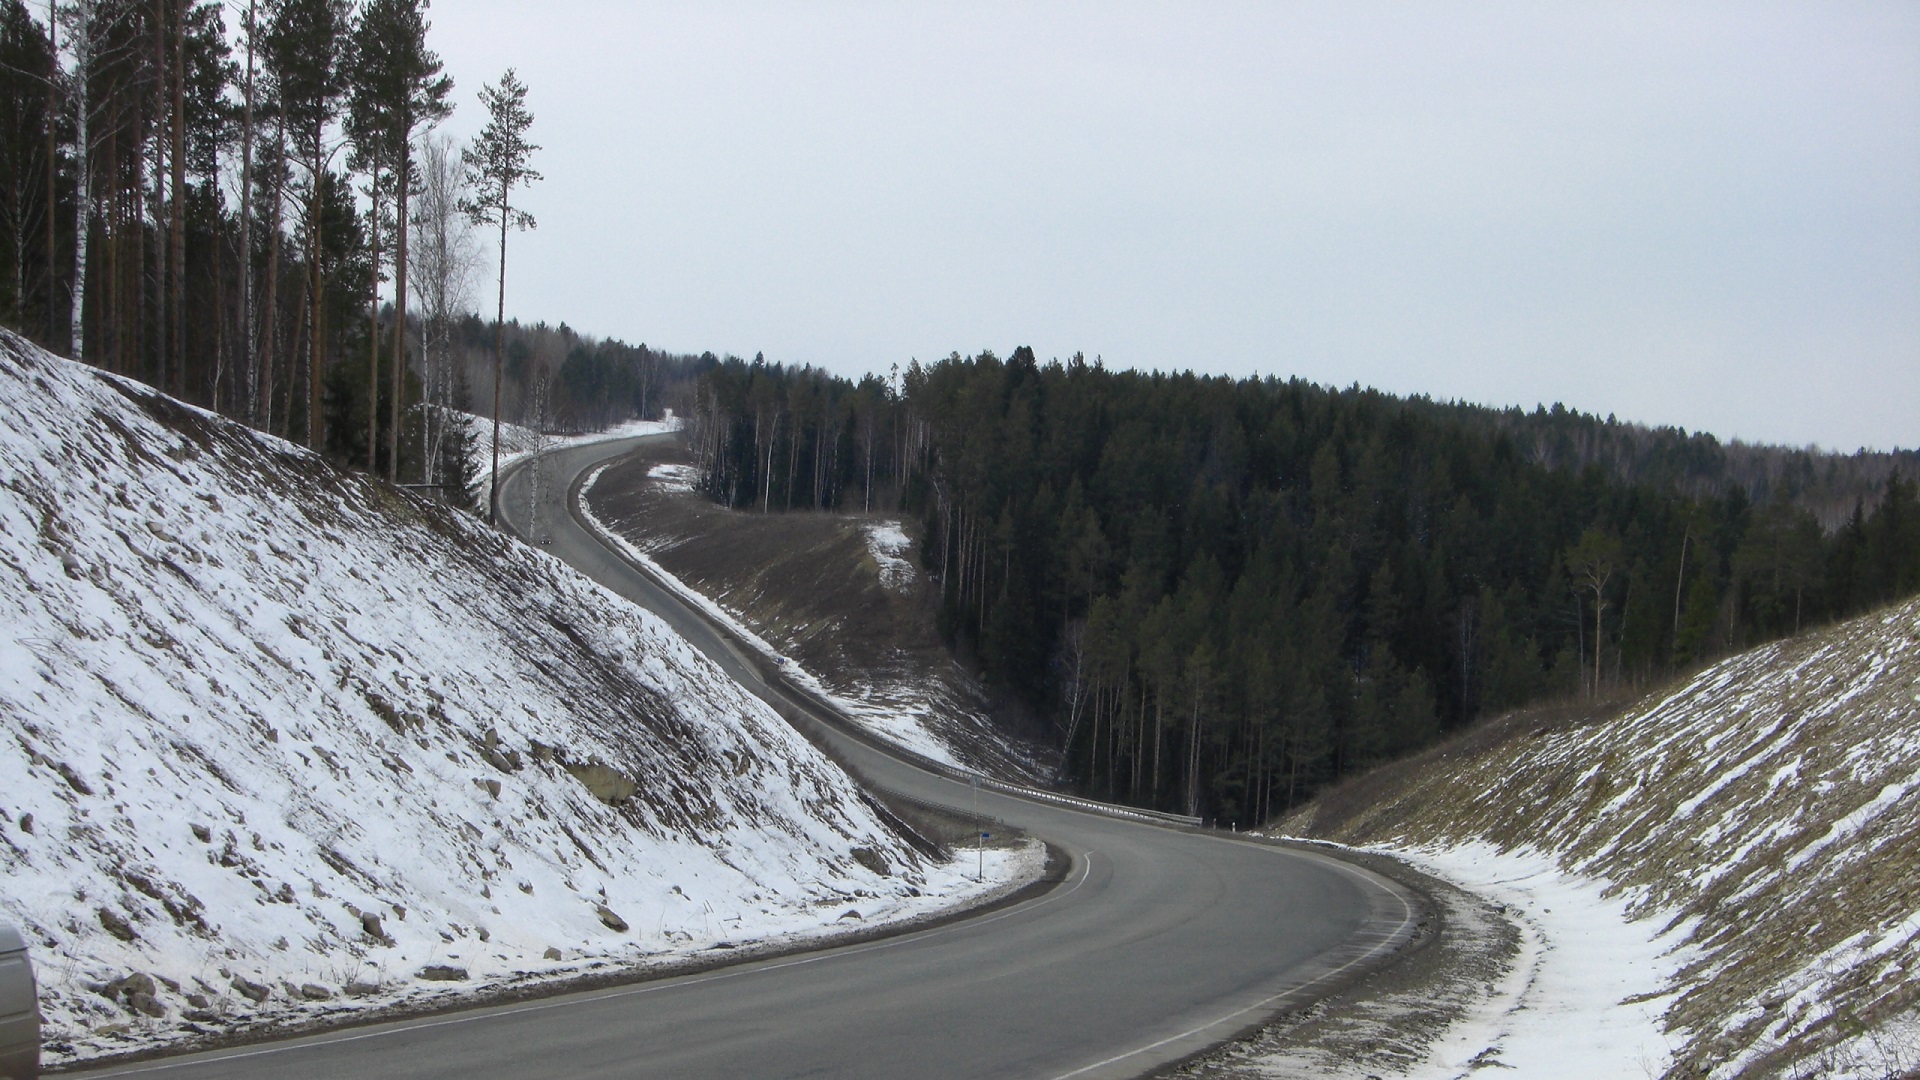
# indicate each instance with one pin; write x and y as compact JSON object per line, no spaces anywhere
{"x":249,"y":208}
{"x":1229,"y":593}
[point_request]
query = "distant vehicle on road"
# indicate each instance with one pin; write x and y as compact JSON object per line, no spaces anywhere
{"x":19,"y":1010}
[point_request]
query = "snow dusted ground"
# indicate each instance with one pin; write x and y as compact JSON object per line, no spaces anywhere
{"x":903,"y":727}
{"x":674,"y":477}
{"x":1724,"y":880}
{"x":278,"y":743}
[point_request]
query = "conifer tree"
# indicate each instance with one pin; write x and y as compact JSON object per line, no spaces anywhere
{"x":305,"y":42}
{"x":399,"y":92}
{"x":496,"y":164}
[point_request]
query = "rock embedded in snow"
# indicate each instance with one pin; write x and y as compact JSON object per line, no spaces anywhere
{"x":608,"y":784}
{"x":116,"y":924}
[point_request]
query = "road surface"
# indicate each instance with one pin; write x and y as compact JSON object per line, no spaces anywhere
{"x":1159,"y":943}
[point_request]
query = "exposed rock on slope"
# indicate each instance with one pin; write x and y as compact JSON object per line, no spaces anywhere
{"x":275,"y":738}
{"x":1765,"y":815}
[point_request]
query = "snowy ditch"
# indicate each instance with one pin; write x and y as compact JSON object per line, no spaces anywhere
{"x":1721,"y":880}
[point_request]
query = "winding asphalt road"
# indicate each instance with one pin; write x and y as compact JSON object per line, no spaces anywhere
{"x":1159,"y":943}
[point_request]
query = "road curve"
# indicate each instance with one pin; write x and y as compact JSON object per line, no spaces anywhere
{"x":1159,"y":943}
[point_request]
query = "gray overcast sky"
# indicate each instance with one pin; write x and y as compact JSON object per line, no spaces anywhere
{"x":1696,"y":214}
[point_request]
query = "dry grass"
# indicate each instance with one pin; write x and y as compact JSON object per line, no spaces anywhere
{"x":1769,"y":806}
{"x":808,"y":584}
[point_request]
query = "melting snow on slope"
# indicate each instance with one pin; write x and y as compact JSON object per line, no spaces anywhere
{"x":279,"y":742}
{"x":1757,"y":827}
{"x":674,"y":477}
{"x":888,"y":544}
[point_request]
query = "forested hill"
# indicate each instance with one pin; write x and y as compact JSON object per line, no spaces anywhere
{"x":1231,"y":592}
{"x":1828,"y":485}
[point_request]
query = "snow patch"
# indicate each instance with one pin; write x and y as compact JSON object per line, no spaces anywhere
{"x":1760,"y":824}
{"x":674,"y":477}
{"x":1586,"y":995}
{"x":887,"y":542}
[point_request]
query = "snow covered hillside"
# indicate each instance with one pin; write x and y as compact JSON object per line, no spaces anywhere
{"x":1722,"y":880}
{"x":278,"y":742}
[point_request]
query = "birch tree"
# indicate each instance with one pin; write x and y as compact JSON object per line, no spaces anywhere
{"x":87,"y":24}
{"x":443,"y":263}
{"x":1592,"y":562}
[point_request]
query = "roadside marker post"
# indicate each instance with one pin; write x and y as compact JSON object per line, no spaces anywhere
{"x":979,"y":840}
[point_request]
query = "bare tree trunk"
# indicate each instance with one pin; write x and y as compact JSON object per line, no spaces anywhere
{"x":269,"y":344}
{"x":373,"y":323}
{"x":219,"y":322}
{"x":1159,"y":712}
{"x":162,"y":229}
{"x":110,"y":351}
{"x":301,"y":333}
{"x":138,"y":280}
{"x":499,"y":363}
{"x":249,"y":355}
{"x":773,"y":440}
{"x":1679,"y":584}
{"x":316,"y":323}
{"x":793,"y":453}
{"x":85,"y":15}
{"x":1599,"y":608}
{"x":53,"y":174}
{"x":405,"y":178}
{"x":178,"y":249}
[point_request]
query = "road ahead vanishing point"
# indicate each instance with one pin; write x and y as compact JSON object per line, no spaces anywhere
{"x":1159,"y":942}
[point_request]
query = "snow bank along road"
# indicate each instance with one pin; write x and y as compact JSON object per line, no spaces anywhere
{"x":1159,"y":943}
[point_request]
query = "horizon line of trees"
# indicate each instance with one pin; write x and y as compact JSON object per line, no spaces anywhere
{"x":1229,"y":593}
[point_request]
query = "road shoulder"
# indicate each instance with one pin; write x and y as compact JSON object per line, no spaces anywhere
{"x":1389,"y":1019}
